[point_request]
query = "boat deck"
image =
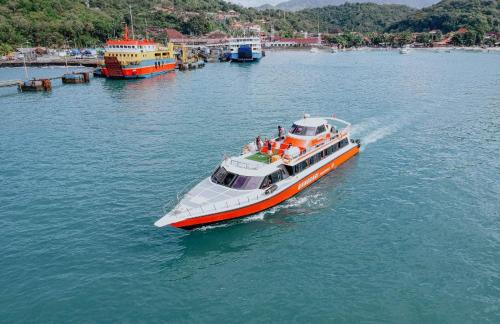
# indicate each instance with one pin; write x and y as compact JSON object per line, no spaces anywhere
{"x":260,"y":157}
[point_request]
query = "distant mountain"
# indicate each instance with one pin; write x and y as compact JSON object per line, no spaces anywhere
{"x":295,"y":5}
{"x":450,"y":15}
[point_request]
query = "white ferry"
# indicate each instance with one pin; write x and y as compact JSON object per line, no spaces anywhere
{"x":265,"y":175}
{"x":244,"y":49}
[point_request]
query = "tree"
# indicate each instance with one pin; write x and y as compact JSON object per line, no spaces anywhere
{"x":5,"y":49}
{"x":197,"y":25}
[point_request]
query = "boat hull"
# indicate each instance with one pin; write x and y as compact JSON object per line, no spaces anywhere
{"x":234,"y":57}
{"x":271,"y":201}
{"x":146,"y":69}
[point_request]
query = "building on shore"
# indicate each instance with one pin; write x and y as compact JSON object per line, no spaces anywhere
{"x":283,"y":42}
{"x":213,"y":39}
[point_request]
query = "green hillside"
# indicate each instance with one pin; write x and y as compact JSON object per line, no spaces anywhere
{"x":450,"y":15}
{"x":90,"y":22}
{"x":360,"y":17}
{"x":50,"y":22}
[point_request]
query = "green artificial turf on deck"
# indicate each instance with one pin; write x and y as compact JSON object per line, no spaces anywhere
{"x":259,"y":157}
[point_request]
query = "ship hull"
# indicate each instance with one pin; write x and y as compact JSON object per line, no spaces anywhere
{"x":234,"y":57}
{"x":270,"y":202}
{"x":144,"y":70}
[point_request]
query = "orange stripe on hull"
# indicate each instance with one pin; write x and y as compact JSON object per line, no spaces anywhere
{"x":272,"y":201}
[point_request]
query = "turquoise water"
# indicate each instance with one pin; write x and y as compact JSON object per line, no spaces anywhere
{"x":408,"y":231}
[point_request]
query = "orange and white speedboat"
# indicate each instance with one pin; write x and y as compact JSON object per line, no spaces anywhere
{"x":259,"y":179}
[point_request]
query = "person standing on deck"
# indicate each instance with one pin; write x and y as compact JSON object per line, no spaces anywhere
{"x":280,"y":133}
{"x":258,"y":143}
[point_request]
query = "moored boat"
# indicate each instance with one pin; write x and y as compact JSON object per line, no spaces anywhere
{"x":262,"y":177}
{"x":244,"y":49}
{"x":131,"y":58}
{"x":404,"y":50}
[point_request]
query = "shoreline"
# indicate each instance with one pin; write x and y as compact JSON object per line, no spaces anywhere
{"x":94,"y":62}
{"x":50,"y":62}
{"x":368,"y":48}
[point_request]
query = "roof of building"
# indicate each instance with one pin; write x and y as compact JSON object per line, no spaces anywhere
{"x":173,"y":34}
{"x":308,"y":40}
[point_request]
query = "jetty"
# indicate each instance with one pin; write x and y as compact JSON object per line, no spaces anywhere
{"x":45,"y":84}
{"x":93,"y":62}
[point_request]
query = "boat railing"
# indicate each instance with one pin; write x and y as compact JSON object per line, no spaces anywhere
{"x":337,"y":136}
{"x":243,"y":165}
{"x":221,"y":206}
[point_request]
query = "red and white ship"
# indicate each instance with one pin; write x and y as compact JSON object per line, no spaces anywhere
{"x":132,"y":58}
{"x":261,"y":178}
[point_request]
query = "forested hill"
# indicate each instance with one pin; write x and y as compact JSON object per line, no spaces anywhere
{"x":87,"y":22}
{"x":295,"y":5}
{"x":449,"y":15}
{"x":90,"y":22}
{"x":360,"y":17}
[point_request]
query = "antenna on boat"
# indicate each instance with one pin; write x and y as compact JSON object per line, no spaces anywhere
{"x":131,"y":21}
{"x":65,"y":55}
{"x":24,"y":61}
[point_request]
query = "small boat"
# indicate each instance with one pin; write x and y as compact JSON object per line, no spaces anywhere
{"x":131,"y":58}
{"x":263,"y":177}
{"x":314,"y":50}
{"x":244,"y":49}
{"x":404,"y":50}
{"x":334,"y":50}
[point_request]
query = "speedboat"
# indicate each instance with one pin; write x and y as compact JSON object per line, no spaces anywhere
{"x":263,"y":176}
{"x":314,"y":50}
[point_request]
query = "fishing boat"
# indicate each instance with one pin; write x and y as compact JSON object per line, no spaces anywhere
{"x":244,"y":49}
{"x":131,"y":58}
{"x":265,"y":176}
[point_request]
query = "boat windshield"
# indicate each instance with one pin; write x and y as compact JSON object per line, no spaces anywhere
{"x":303,"y":130}
{"x":235,"y":181}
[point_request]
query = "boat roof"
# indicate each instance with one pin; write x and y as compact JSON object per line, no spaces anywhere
{"x":311,"y":122}
{"x":243,"y":166}
{"x":130,"y":42}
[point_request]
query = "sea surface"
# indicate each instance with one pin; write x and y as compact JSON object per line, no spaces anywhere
{"x":406,"y":232}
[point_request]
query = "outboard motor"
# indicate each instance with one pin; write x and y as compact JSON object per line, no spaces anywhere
{"x":245,"y":52}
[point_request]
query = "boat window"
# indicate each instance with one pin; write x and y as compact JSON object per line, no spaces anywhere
{"x":274,"y":177}
{"x":320,"y":129}
{"x":284,"y":172}
{"x":228,"y":179}
{"x":266,"y":183}
{"x":303,"y":130}
{"x":246,"y":183}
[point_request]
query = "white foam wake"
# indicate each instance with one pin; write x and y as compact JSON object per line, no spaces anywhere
{"x":377,"y":135}
{"x":371,"y":131}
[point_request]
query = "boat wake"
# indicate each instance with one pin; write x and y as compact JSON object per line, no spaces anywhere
{"x":377,"y":135}
{"x":364,"y":130}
